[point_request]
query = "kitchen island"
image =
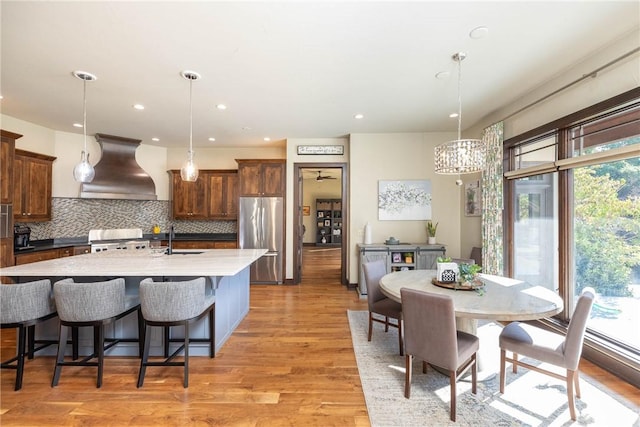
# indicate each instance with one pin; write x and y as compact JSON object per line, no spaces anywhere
{"x":226,"y":270}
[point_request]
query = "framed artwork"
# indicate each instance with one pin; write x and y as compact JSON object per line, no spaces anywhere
{"x":472,"y":199}
{"x":321,"y":149}
{"x":306,"y":210}
{"x":404,"y":200}
{"x":320,"y":214}
{"x":327,"y":223}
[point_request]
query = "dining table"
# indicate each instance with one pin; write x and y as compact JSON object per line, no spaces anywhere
{"x":497,"y":298}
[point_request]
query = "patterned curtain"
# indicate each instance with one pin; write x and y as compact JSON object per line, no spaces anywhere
{"x":492,"y":204}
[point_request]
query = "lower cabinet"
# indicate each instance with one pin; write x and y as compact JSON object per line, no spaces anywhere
{"x":398,"y":258}
{"x":204,"y":244}
{"x":30,"y":257}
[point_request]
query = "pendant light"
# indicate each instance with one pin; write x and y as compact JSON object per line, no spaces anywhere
{"x":84,"y":172}
{"x":189,"y":171}
{"x":462,"y":155}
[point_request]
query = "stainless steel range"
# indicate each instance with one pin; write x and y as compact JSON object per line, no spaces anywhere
{"x":117,"y":239}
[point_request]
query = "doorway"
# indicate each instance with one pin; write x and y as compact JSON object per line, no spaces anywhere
{"x":320,"y":223}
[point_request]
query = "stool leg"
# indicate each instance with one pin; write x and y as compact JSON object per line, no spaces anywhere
{"x":212,"y":332}
{"x":167,"y":336}
{"x":62,"y":345}
{"x":141,"y":334}
{"x":31,"y":340}
{"x":99,"y":330}
{"x":145,"y":355}
{"x":22,"y":332}
{"x":186,"y":354}
{"x":75,"y":343}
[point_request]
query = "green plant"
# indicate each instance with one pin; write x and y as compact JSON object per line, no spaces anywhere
{"x":467,"y":272}
{"x":444,"y":259}
{"x":431,"y":228}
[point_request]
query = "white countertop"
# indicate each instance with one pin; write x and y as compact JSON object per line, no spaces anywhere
{"x":210,"y":262}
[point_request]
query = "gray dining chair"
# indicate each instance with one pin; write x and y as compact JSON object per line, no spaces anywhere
{"x":379,"y":303}
{"x":23,"y":305}
{"x":430,"y":335}
{"x":95,"y":305}
{"x":530,"y":341}
{"x":167,"y":304}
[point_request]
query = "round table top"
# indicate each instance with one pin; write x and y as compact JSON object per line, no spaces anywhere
{"x":501,"y":298}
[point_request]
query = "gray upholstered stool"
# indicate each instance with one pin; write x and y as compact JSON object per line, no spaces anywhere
{"x":23,"y":306}
{"x":169,"y":304}
{"x":92,"y":304}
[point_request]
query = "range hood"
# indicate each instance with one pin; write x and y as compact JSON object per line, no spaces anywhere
{"x":118,"y":175}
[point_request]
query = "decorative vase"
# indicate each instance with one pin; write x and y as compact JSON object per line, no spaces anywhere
{"x":431,"y":240}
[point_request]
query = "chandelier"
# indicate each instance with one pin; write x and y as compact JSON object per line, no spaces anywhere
{"x":462,"y":155}
{"x":189,"y":171}
{"x":83,"y":171}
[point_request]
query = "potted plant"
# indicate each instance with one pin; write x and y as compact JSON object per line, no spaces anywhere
{"x":446,"y":270}
{"x":468,"y":274}
{"x":431,"y":232}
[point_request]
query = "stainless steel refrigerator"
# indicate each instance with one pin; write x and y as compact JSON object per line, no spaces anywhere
{"x":260,"y":226}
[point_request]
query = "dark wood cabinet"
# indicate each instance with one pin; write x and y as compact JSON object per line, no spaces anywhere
{"x":6,"y":166}
{"x":223,"y":194}
{"x":37,"y":256}
{"x":204,"y":244}
{"x":188,"y":199}
{"x":32,"y":175}
{"x":261,"y":178}
{"x":80,"y":250}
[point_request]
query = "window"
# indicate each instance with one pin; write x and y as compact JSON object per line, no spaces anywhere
{"x":573,"y":212}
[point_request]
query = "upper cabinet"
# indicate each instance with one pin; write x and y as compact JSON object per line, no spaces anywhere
{"x":214,"y":195}
{"x":223,"y":194}
{"x":188,"y":199}
{"x":32,"y":175}
{"x":6,"y":166}
{"x":261,"y":177}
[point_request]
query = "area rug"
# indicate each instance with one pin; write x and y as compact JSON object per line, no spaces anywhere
{"x":530,"y":398}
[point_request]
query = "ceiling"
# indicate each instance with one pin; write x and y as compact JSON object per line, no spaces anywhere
{"x":287,"y":69}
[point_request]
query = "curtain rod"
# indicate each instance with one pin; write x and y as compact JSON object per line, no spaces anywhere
{"x":594,"y":73}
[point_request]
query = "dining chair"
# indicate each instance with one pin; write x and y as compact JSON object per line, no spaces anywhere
{"x":94,"y":304}
{"x":23,"y":305}
{"x":430,"y":335}
{"x":167,"y":304}
{"x":530,"y":341}
{"x":379,"y":303}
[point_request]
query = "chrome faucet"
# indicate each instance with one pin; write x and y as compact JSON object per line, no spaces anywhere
{"x":171,"y":237}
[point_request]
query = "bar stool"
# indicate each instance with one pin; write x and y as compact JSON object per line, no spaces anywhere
{"x":169,"y":304}
{"x":92,"y":304}
{"x":23,"y":306}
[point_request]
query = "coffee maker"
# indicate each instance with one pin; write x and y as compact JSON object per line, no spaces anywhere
{"x":21,"y":236}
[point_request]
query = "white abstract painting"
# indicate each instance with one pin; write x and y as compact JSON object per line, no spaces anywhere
{"x":404,"y":200}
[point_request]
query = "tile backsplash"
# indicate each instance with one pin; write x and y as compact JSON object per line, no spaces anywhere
{"x":71,"y":217}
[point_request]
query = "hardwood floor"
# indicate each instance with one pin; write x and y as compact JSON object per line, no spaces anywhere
{"x":290,"y":363}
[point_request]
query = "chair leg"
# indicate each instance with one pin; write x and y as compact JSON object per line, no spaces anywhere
{"x":75,"y":343}
{"x":145,"y":355}
{"x":570,"y":393}
{"x":474,"y":374}
{"x":22,"y":338}
{"x":424,"y":366}
{"x":31,"y":341}
{"x":370,"y":326}
{"x":62,"y":345}
{"x":452,"y":383}
{"x":514,"y":364}
{"x":140,"y":333}
{"x":400,"y":340}
{"x":576,"y":381}
{"x":212,"y":332}
{"x":408,"y":361}
{"x":186,"y":354}
{"x":386,"y":323}
{"x":503,"y":365}
{"x":167,"y":337}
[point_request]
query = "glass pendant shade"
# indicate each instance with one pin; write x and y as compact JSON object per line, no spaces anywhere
{"x":189,"y":171}
{"x":461,"y":155}
{"x":84,"y":172}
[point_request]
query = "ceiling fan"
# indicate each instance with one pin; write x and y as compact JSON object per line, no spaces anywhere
{"x":321,"y":178}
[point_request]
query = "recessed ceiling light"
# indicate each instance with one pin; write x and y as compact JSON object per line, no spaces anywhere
{"x":77,"y":125}
{"x":453,"y":115}
{"x":266,"y":138}
{"x":1,"y":97}
{"x":443,"y":75}
{"x":212,"y":139}
{"x":479,"y":32}
{"x":155,"y":139}
{"x":358,"y":116}
{"x":221,"y":107}
{"x":138,"y":106}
